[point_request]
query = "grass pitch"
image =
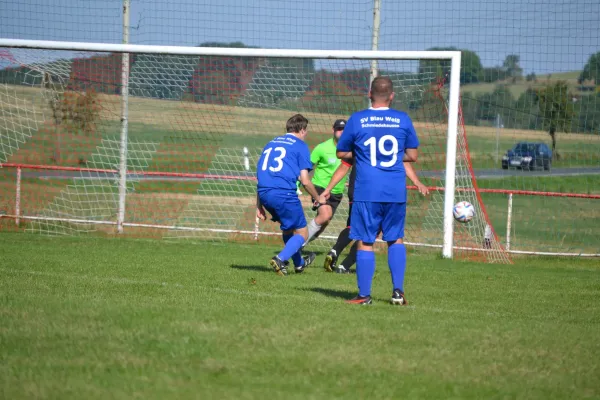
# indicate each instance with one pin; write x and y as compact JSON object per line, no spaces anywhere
{"x":108,"y":318}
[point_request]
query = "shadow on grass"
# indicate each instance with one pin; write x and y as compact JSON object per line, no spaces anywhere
{"x":340,"y":294}
{"x":259,"y":268}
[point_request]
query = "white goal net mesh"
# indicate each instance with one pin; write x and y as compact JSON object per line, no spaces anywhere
{"x":197,"y":125}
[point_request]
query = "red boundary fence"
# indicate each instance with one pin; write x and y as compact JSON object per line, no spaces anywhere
{"x":252,"y":178}
{"x":510,"y":193}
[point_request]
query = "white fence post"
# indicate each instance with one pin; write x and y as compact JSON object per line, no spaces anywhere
{"x":256,"y":228}
{"x":246,"y":159}
{"x":375,"y":40}
{"x":124,"y":121}
{"x":18,"y":198}
{"x":509,"y":221}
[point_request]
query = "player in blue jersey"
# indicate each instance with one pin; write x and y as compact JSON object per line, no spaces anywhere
{"x":380,"y":139}
{"x":285,"y":160}
{"x":343,"y":239}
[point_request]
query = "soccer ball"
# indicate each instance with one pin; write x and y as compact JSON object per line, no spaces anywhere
{"x":463,"y":211}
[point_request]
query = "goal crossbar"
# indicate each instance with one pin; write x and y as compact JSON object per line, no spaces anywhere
{"x":229,"y":51}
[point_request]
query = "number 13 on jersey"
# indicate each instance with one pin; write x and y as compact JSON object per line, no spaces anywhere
{"x":278,"y":159}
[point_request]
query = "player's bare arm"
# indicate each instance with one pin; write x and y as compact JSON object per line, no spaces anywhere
{"x":310,"y":188}
{"x":344,"y":155}
{"x":260,"y":211}
{"x":412,"y":175}
{"x":337,"y":176}
{"x":410,"y":155}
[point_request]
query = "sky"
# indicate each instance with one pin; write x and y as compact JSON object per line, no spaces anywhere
{"x":549,"y":35}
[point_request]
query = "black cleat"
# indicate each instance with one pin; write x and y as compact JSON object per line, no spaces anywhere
{"x":278,"y":266}
{"x":398,"y":298}
{"x":308,"y":259}
{"x":366,"y":300}
{"x":330,"y":261}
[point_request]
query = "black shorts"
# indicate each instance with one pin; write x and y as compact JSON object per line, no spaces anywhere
{"x":333,"y":201}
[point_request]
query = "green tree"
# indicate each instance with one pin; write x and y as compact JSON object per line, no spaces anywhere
{"x":213,"y":87}
{"x":526,"y":113}
{"x":588,"y":114}
{"x":73,"y":113}
{"x":512,"y":67}
{"x":471,"y":70}
{"x":280,"y":80}
{"x":500,"y":101}
{"x":494,"y":74}
{"x":470,"y":108}
{"x":236,"y":45}
{"x":591,"y":71}
{"x":328,"y":93}
{"x":556,"y":109}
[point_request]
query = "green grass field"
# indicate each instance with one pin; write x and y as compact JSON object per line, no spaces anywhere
{"x":547,"y":223}
{"x":109,"y":318}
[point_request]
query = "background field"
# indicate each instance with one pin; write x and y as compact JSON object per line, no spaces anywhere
{"x":175,"y":136}
{"x":100,"y":318}
{"x":160,"y":121}
{"x":519,"y":87}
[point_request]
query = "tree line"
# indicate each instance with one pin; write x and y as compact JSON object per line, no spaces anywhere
{"x":297,"y":84}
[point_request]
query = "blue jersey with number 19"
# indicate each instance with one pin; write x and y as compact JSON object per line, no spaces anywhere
{"x":378,"y":138}
{"x":281,"y":161}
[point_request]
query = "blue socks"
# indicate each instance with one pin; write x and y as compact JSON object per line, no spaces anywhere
{"x":293,"y":244}
{"x":297,"y":259}
{"x":397,"y":264}
{"x":365,"y":270}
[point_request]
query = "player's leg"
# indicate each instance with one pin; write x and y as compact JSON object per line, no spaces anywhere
{"x":349,"y":260}
{"x":302,"y":261}
{"x":324,"y":215}
{"x":331,"y":258}
{"x":318,"y":224}
{"x":366,"y":219}
{"x":292,"y":217}
{"x":393,"y":234}
{"x":288,"y":211}
{"x":343,"y":240}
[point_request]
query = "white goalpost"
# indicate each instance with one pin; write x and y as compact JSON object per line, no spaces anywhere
{"x":184,"y":113}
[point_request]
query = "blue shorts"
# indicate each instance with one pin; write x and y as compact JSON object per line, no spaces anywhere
{"x":368,"y":219}
{"x":285,"y":207}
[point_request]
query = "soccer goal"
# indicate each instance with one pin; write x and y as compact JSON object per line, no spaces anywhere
{"x":163,"y":141}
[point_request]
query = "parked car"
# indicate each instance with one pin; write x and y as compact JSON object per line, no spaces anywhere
{"x":528,"y":156}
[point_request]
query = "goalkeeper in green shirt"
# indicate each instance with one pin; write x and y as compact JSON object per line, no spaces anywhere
{"x":325,"y":162}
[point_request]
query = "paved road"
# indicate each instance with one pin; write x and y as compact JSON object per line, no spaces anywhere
{"x":501,"y":173}
{"x":481,"y":174}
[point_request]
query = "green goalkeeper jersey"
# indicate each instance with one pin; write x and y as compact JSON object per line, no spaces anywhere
{"x":326,"y":162}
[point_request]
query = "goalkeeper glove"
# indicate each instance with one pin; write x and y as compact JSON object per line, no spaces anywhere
{"x":316,"y":205}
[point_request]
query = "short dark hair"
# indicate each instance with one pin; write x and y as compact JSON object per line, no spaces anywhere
{"x":296,"y":123}
{"x":381,"y":88}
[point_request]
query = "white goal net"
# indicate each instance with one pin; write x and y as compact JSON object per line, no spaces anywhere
{"x":196,"y":126}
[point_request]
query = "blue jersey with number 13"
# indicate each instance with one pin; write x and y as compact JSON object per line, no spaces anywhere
{"x":281,"y":161}
{"x":378,"y":138}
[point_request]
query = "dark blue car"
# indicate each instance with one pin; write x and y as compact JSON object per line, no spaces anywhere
{"x":528,"y":156}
